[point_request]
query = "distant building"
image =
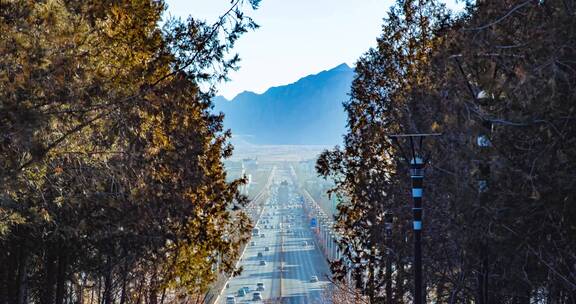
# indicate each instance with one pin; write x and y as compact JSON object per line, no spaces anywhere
{"x":250,"y":164}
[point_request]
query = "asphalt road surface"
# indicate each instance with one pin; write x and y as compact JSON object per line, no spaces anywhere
{"x":291,"y":261}
{"x":302,"y":260}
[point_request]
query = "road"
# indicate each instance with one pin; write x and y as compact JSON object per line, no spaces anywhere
{"x":291,"y":261}
{"x":302,"y":261}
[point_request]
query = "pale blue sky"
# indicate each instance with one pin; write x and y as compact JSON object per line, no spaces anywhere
{"x":296,"y":37}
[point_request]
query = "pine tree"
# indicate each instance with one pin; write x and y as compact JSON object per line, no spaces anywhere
{"x":112,"y":185}
{"x":498,"y":83}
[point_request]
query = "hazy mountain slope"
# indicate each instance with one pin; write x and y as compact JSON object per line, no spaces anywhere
{"x":308,"y":111}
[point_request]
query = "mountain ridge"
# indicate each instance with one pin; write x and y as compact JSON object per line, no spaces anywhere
{"x":341,"y":67}
{"x":307,"y":111}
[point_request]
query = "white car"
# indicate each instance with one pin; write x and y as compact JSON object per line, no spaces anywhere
{"x":313,"y":279}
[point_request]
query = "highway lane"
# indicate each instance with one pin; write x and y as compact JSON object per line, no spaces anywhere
{"x":253,"y":272}
{"x":303,"y":260}
{"x":291,"y":248}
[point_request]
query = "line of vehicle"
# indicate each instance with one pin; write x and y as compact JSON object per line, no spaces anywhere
{"x":307,"y":268}
{"x":258,"y":197}
{"x":235,"y":266}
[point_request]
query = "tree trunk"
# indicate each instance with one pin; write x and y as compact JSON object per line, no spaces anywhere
{"x":400,"y":287}
{"x":153,"y":296}
{"x":22,"y":275}
{"x":99,"y":293}
{"x":482,"y":277}
{"x":4,"y":275}
{"x":388,"y":288}
{"x":80,"y":290}
{"x":49,"y":276}
{"x":108,"y":282}
{"x":522,"y":298}
{"x":140,"y":288}
{"x":124,"y":279}
{"x":440,"y":288}
{"x":61,"y":279}
{"x":371,"y":292}
{"x":163,"y":296}
{"x":11,"y":285}
{"x":92,"y":295}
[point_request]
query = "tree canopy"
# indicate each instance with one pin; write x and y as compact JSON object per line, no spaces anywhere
{"x":111,"y":175}
{"x":498,"y":82}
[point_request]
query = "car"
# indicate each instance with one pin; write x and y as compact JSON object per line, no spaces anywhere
{"x":266,"y":248}
{"x":304,"y":243}
{"x":246,"y":289}
{"x":259,"y":286}
{"x":252,"y":243}
{"x":314,"y":279}
{"x":241,"y":292}
{"x":262,"y":263}
{"x":230,"y":300}
{"x":262,"y":235}
{"x":259,"y":254}
{"x":257,"y":296}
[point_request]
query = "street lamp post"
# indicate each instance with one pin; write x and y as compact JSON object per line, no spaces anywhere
{"x":388,"y":227}
{"x":417,"y":175}
{"x":417,"y":162}
{"x":484,"y":145}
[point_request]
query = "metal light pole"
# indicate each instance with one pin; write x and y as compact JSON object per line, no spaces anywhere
{"x":417,"y":175}
{"x":388,"y":226}
{"x":484,"y":144}
{"x":417,"y":163}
